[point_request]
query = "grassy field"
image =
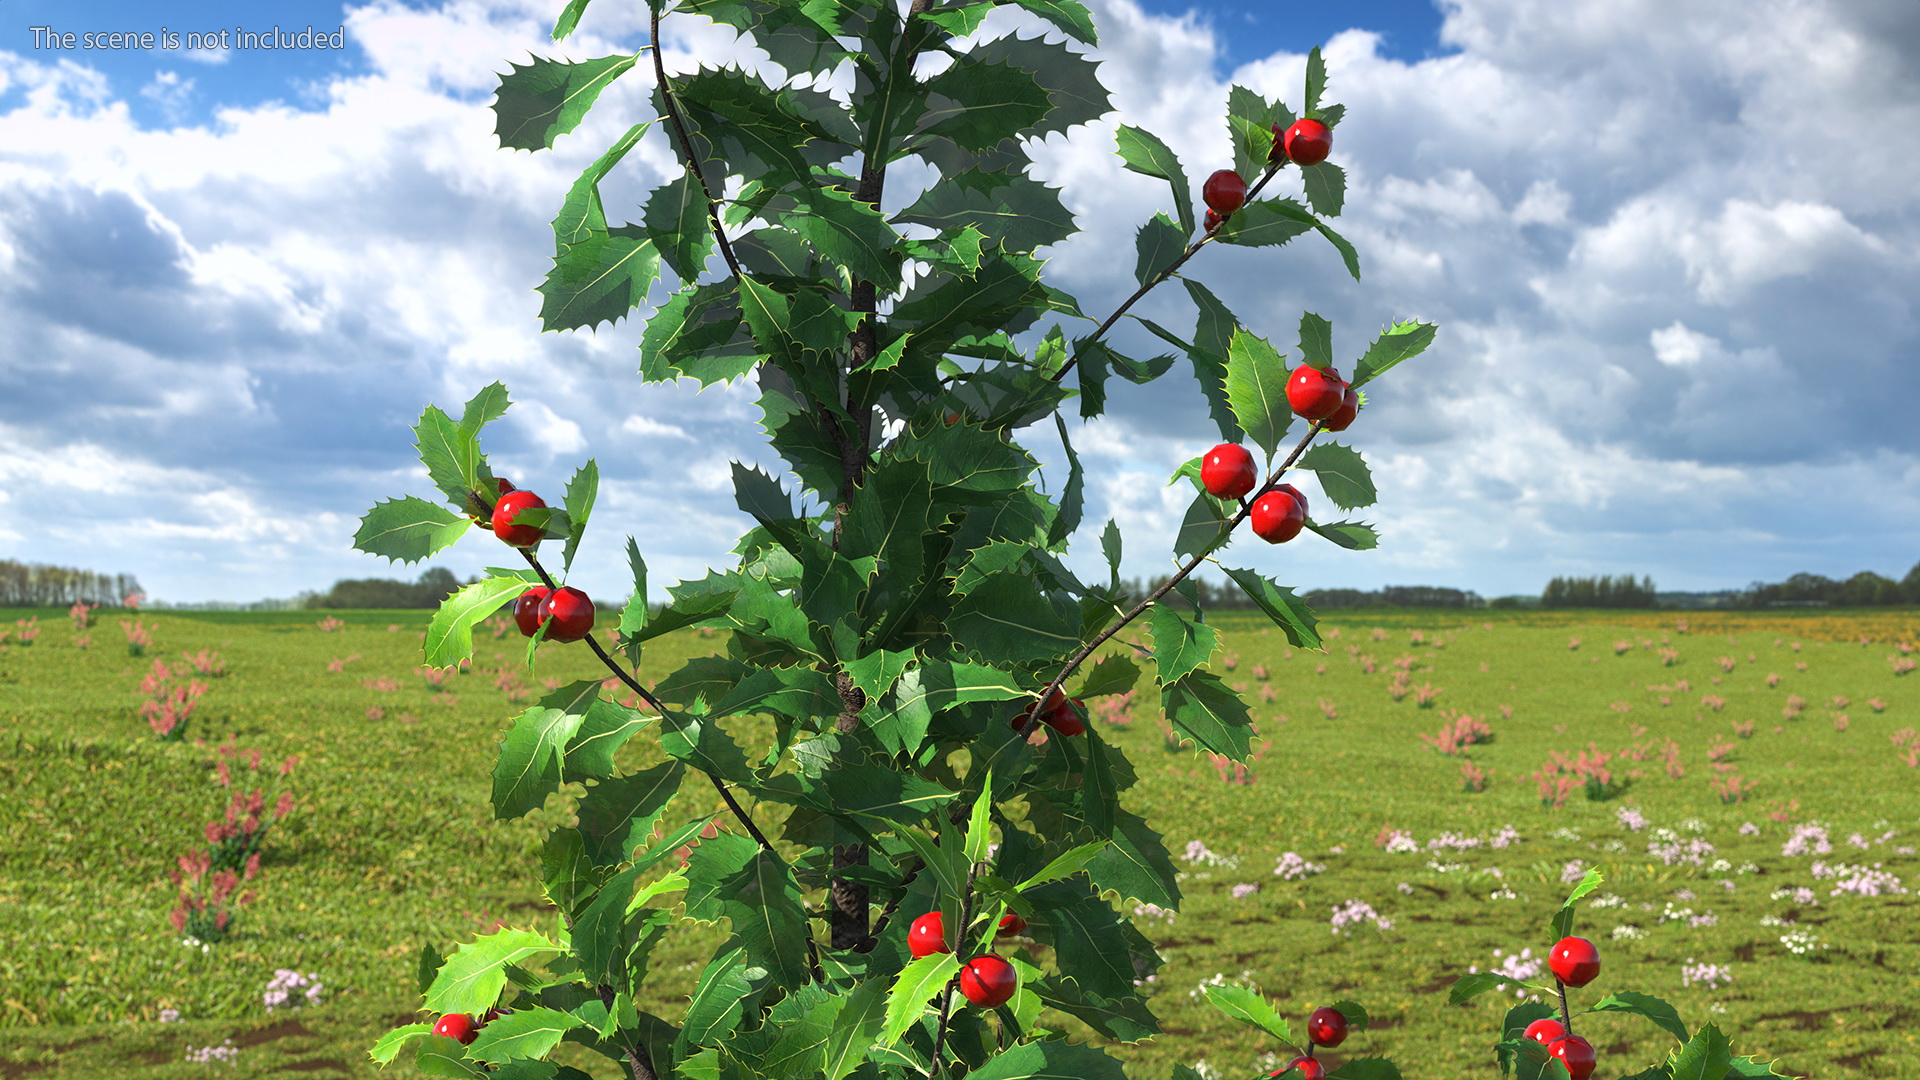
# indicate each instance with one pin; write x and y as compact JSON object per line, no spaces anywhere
{"x":392,"y":845}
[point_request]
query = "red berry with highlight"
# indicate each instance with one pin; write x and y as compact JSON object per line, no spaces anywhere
{"x":1314,"y":394}
{"x":1307,"y":142}
{"x":1011,"y":924}
{"x":509,"y":506}
{"x":1576,"y":1054}
{"x":1228,"y":472}
{"x":1213,"y":221}
{"x":988,"y":981}
{"x":1349,"y":408}
{"x":527,"y":613}
{"x":927,"y":935}
{"x":1310,"y":1069}
{"x":569,"y":614}
{"x":1546,"y":1031}
{"x":457,"y":1026}
{"x":1225,"y":192}
{"x":1574,"y":961}
{"x":1327,"y":1026}
{"x":1277,"y":517}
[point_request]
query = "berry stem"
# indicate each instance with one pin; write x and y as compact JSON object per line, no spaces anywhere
{"x":946,"y":994}
{"x":1246,"y":507}
{"x":1193,"y":249}
{"x":1566,"y":1014}
{"x":686,"y":149}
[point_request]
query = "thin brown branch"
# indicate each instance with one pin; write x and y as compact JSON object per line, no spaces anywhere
{"x":686,"y":149}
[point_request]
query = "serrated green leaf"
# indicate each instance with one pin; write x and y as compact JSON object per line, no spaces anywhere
{"x":582,"y":215}
{"x":1265,"y":223}
{"x":1288,"y":612}
{"x":1316,"y":80}
{"x":1316,"y":341}
{"x":1707,"y":1056}
{"x":1179,"y":644}
{"x":598,"y":279}
{"x":1663,"y":1015}
{"x":408,"y":530}
{"x":1468,"y":987}
{"x":539,"y":102}
{"x":483,"y":408}
{"x":1136,"y":864}
{"x":1203,"y":529}
{"x":978,"y":105}
{"x":390,"y":1043}
{"x":1158,"y":243}
{"x":450,"y":633}
{"x":1069,"y":15}
{"x":913,"y":990}
{"x":849,"y":233}
{"x":678,"y":223}
{"x":1366,"y":1069}
{"x":1202,"y":707}
{"x":582,"y":488}
{"x":473,"y":976}
{"x":1065,"y":865}
{"x":523,"y":1033}
{"x":979,"y":823}
{"x":1143,"y":152}
{"x":1352,"y":535}
{"x":1249,"y":1008}
{"x":1051,"y":1059}
{"x":1343,"y":474}
{"x":1326,"y":188}
{"x":1014,"y":211}
{"x":1257,"y":390}
{"x":569,"y":19}
{"x":1402,"y":341}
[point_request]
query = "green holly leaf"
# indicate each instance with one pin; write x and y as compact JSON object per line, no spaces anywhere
{"x":849,"y":233}
{"x":1265,"y":223}
{"x":978,"y":105}
{"x":523,"y":1033}
{"x":1159,"y":242}
{"x":1069,"y":15}
{"x":1065,"y":865}
{"x":582,"y":214}
{"x":618,"y":814}
{"x":450,"y":633}
{"x":679,"y":226}
{"x":699,"y":333}
{"x":1352,"y":535}
{"x":1326,"y":188}
{"x":1366,"y":1069}
{"x":1398,"y":342}
{"x":1257,"y":390}
{"x":1014,"y":211}
{"x":1180,"y":644}
{"x":1663,"y":1015}
{"x":1124,"y":1019}
{"x":1135,"y":865}
{"x":1316,"y":341}
{"x":1563,"y":919}
{"x":913,"y":990}
{"x":1343,"y":474}
{"x":598,"y":279}
{"x":1250,"y":121}
{"x":529,"y":766}
{"x":1143,"y":152}
{"x":1288,"y":612}
{"x":391,"y":1042}
{"x":1251,"y":1009}
{"x":1212,"y":341}
{"x":483,"y":408}
{"x":569,"y":19}
{"x":1204,"y":528}
{"x":1316,"y":81}
{"x":1201,"y":707}
{"x":474,"y":975}
{"x":1706,"y":1056}
{"x":582,"y":488}
{"x":1050,"y":1058}
{"x":539,"y":102}
{"x":729,"y":985}
{"x":408,"y":530}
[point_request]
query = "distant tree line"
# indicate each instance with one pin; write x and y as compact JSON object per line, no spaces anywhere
{"x":1864,"y":589}
{"x":1600,"y":592}
{"x":434,"y":586}
{"x":1228,"y":596}
{"x":22,"y":585}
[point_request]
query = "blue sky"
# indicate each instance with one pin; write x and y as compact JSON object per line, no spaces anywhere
{"x":1675,"y":277}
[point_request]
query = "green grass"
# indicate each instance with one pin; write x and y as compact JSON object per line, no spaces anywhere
{"x":393,"y":844}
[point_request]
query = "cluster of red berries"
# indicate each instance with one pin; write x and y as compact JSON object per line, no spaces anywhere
{"x":1305,"y":143}
{"x":1227,"y":472}
{"x":1575,"y":962}
{"x":1056,"y":714}
{"x":987,"y":981}
{"x":464,"y":1028}
{"x":1326,"y":1027}
{"x":566,"y":612}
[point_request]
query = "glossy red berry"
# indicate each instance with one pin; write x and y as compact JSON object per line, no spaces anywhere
{"x":1299,"y":499}
{"x":1546,"y":1031}
{"x":569,"y":615}
{"x":1011,"y":924}
{"x":1307,"y":142}
{"x":1349,"y":408}
{"x":1327,"y":1026}
{"x":1314,"y":394}
{"x":477,"y":511}
{"x":1310,"y":1069}
{"x":527,"y":613}
{"x":457,"y":1026}
{"x":1213,"y":221}
{"x":988,"y":981}
{"x":1574,"y":961}
{"x":1225,"y":192}
{"x":1228,"y":472}
{"x":1576,"y":1054}
{"x":1277,"y":517}
{"x":507,"y":509}
{"x":927,"y":935}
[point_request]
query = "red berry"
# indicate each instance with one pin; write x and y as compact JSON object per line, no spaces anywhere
{"x":1277,"y":517}
{"x":988,"y":981}
{"x":927,"y":935}
{"x":1064,"y":720}
{"x":474,"y":507}
{"x":457,"y":1026}
{"x":1299,"y":499}
{"x":1327,"y":1026}
{"x":1213,"y":221}
{"x":1228,"y":472}
{"x":1307,"y":142}
{"x":1574,"y":961}
{"x":1310,"y":1069}
{"x":1349,"y":408}
{"x":1011,"y":924}
{"x":1315,"y":394}
{"x":507,"y":508}
{"x":526,"y":610}
{"x":1576,"y":1054}
{"x":570,"y":615}
{"x":1225,"y":192}
{"x":1546,"y":1031}
{"x":953,"y":418}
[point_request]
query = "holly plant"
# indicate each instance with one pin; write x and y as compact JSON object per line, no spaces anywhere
{"x":1538,"y":1042}
{"x":900,"y":610}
